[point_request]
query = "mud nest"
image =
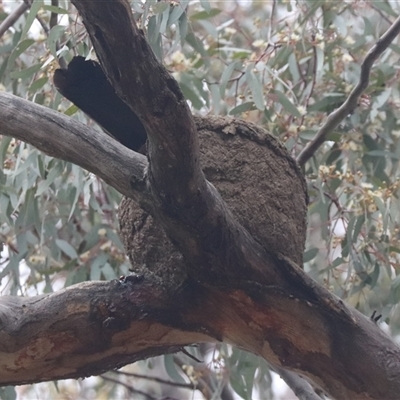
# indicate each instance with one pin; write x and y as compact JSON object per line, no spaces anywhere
{"x":257,"y":178}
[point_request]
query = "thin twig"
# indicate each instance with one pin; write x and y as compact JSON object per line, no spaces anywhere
{"x":201,"y":385}
{"x":158,"y":380}
{"x":205,"y":383}
{"x":12,"y":18}
{"x":38,"y":18}
{"x":351,"y":102}
{"x":128,"y":387}
{"x":26,"y":5}
{"x":53,"y":15}
{"x":380,"y":12}
{"x":271,"y":21}
{"x":53,"y":23}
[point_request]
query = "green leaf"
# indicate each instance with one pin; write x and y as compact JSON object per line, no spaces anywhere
{"x":357,"y":227}
{"x":27,"y":72}
{"x":206,"y":5}
{"x":153,"y":28}
{"x":183,"y":27}
{"x":310,"y":255}
{"x":368,"y":27}
{"x":198,"y":46}
{"x":216,"y":98}
{"x":191,"y":95}
{"x":38,"y":84}
{"x":337,"y":261}
{"x":164,"y":21}
{"x":385,"y":6}
{"x":8,"y":393}
{"x":159,"y":8}
{"x":307,"y":134}
{"x":293,"y":67}
{"x":55,"y":9}
{"x":287,"y":104}
{"x":100,"y":261}
{"x":71,"y":110}
{"x":176,"y":13}
{"x":34,"y":9}
{"x":244,"y":107}
{"x":52,"y":40}
{"x":256,"y":88}
{"x":66,"y":248}
{"x":95,"y":273}
{"x":210,"y":28}
{"x":226,"y":75}
{"x":80,"y":275}
{"x":115,"y":239}
{"x":320,"y":63}
{"x":206,"y":14}
{"x":4,"y":143}
{"x":19,"y":49}
{"x":108,"y":272}
{"x":328,"y":103}
{"x":170,"y":368}
{"x":12,"y":265}
{"x":243,"y":366}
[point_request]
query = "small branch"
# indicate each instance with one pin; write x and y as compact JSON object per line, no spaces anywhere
{"x":53,"y":15}
{"x":202,"y":385}
{"x":12,"y":18}
{"x":128,"y":387}
{"x":351,"y":102}
{"x":189,"y":386}
{"x":38,"y":18}
{"x":53,"y":23}
{"x":271,"y":21}
{"x":301,"y":388}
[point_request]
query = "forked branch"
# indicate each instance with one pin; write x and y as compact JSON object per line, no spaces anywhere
{"x":337,"y":116}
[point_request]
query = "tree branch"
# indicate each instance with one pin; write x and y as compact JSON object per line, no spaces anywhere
{"x":62,"y":137}
{"x":187,"y":206}
{"x":154,"y":96}
{"x":89,"y":329}
{"x":337,"y":116}
{"x":130,"y":388}
{"x":12,"y":18}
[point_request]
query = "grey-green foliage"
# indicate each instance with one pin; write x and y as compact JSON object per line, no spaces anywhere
{"x":285,"y":65}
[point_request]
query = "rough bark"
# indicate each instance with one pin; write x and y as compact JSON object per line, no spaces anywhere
{"x":232,"y":287}
{"x":257,"y":179}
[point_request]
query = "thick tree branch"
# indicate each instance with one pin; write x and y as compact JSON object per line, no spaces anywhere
{"x":88,"y":329}
{"x":62,"y":137}
{"x":192,"y":212}
{"x":337,"y":116}
{"x":93,"y":327}
{"x":154,"y":96}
